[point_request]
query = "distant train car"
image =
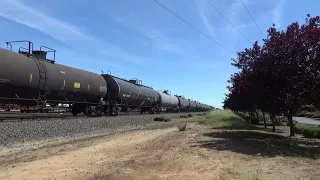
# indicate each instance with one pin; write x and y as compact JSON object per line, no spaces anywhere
{"x":168,"y":101}
{"x":193,"y":105}
{"x":184,"y":104}
{"x":130,"y":94}
{"x":198,"y":106}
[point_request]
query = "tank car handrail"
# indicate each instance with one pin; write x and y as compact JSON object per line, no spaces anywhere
{"x":23,"y":48}
{"x":52,"y":50}
{"x":30,"y":45}
{"x":134,"y":79}
{"x":181,"y":96}
{"x":108,"y":72}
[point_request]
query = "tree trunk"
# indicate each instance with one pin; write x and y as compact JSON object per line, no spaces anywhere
{"x":289,"y":116}
{"x":257,"y":118}
{"x":273,"y":119}
{"x":264,"y":120}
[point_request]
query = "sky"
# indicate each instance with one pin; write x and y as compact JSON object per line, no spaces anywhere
{"x":139,"y":39}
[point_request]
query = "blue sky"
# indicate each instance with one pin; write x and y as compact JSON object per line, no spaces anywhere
{"x":139,"y":39}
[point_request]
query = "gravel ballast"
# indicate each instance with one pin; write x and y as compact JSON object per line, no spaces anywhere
{"x":17,"y":132}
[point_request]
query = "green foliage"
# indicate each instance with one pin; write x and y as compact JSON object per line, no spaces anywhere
{"x":308,"y":131}
{"x":249,"y":117}
{"x":309,"y":108}
{"x":309,"y":111}
{"x":308,"y":114}
{"x":225,"y":119}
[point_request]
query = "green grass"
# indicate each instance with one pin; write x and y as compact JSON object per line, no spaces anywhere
{"x":307,"y":130}
{"x":225,"y":119}
{"x":242,"y":137}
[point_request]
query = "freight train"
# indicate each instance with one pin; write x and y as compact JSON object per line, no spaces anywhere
{"x":29,"y":78}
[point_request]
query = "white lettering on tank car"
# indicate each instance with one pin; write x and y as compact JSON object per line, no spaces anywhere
{"x":103,"y":89}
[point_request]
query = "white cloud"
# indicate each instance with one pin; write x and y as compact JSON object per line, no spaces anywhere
{"x":70,"y":34}
{"x":23,"y":14}
{"x":200,"y":8}
{"x":235,"y":11}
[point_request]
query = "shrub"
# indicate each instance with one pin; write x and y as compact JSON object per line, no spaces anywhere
{"x":309,"y":108}
{"x":182,"y":126}
{"x":308,"y":131}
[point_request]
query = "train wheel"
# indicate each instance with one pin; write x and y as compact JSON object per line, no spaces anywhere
{"x":110,"y":111}
{"x":88,"y":111}
{"x":151,"y":110}
{"x":74,"y":111}
{"x":116,"y":113}
{"x":142,"y":110}
{"x":105,"y":110}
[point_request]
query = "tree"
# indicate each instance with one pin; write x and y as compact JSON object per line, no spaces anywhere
{"x":281,"y":75}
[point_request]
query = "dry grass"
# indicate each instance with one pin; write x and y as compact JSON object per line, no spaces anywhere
{"x":198,"y":153}
{"x":182,"y":126}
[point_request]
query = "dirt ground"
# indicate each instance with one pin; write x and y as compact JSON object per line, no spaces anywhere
{"x":198,"y":153}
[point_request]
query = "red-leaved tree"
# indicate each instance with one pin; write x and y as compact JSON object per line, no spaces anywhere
{"x":281,"y":75}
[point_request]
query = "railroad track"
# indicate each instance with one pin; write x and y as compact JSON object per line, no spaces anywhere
{"x":42,"y":116}
{"x":20,"y":116}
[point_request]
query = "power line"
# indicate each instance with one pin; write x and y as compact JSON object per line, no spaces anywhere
{"x":252,"y":17}
{"x":228,"y":21}
{"x":191,"y":25}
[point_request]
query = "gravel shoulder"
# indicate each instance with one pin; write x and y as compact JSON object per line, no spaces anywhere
{"x":198,"y":153}
{"x":23,"y":138}
{"x":17,"y":133}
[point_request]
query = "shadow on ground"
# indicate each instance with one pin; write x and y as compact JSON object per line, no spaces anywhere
{"x":258,"y":143}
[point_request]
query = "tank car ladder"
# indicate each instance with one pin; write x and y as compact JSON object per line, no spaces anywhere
{"x":41,"y":101}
